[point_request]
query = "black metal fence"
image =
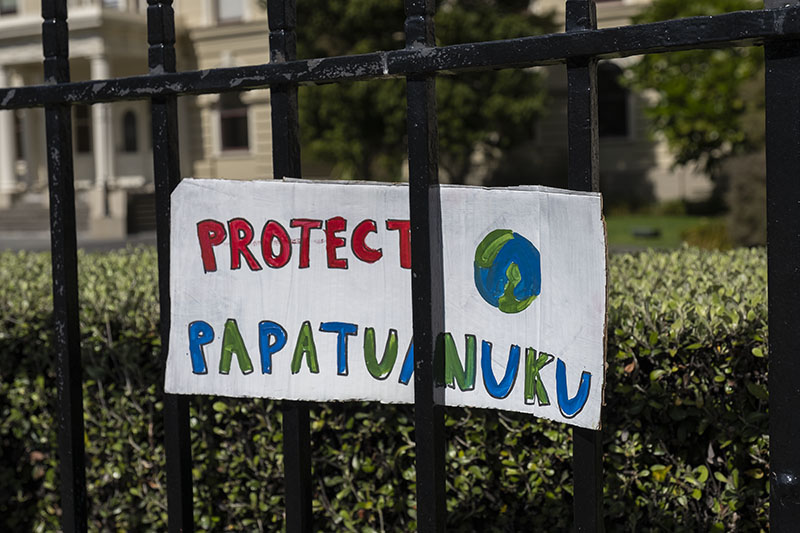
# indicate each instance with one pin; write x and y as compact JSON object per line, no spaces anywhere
{"x":777,"y":28}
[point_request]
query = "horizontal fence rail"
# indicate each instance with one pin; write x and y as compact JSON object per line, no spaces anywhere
{"x":579,"y":47}
{"x":742,"y":28}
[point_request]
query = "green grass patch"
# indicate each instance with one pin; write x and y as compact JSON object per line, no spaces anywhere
{"x":623,"y":229}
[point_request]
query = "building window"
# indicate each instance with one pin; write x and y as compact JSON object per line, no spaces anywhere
{"x":83,"y":129}
{"x":230,"y":10}
{"x":19,"y":133}
{"x":233,"y":122}
{"x":8,"y":7}
{"x":612,"y":101}
{"x":130,"y":141}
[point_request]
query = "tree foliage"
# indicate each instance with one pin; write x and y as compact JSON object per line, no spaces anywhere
{"x":360,"y":127}
{"x":708,"y":103}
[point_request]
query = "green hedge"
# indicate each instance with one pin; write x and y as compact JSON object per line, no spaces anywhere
{"x":685,"y":422}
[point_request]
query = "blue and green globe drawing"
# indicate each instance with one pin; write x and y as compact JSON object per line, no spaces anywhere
{"x":508,"y":272}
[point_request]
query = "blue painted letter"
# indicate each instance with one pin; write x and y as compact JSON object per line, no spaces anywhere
{"x":502,"y":389}
{"x":408,"y":365}
{"x":571,"y":406}
{"x":344,"y":330}
{"x":271,"y":339}
{"x":200,"y":334}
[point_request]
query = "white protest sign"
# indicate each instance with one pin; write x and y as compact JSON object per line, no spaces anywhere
{"x":300,"y":290}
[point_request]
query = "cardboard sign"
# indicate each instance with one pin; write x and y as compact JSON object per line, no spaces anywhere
{"x":300,"y":290}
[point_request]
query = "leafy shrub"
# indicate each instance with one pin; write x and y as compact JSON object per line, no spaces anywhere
{"x":685,"y":426}
{"x":708,"y":234}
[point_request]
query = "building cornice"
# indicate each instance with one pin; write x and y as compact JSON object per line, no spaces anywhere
{"x":240,"y":30}
{"x":93,"y":31}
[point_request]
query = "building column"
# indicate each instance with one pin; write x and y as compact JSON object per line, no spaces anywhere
{"x":31,"y":150}
{"x":107,"y":209}
{"x":210,"y":9}
{"x":8,"y":151}
{"x":102,"y":131}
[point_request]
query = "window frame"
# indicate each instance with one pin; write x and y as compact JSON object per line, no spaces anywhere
{"x":130,"y":132}
{"x":83,"y":127}
{"x":20,"y":150}
{"x":6,"y":11}
{"x":230,"y":19}
{"x":228,"y":114}
{"x":621,"y":100}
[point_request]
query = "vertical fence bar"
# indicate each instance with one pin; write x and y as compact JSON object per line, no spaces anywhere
{"x":282,"y":19}
{"x":297,"y":466}
{"x":583,"y":165}
{"x":427,"y":285}
{"x":166,"y":172}
{"x":64,"y":247}
{"x":583,"y":175}
{"x":783,"y":240}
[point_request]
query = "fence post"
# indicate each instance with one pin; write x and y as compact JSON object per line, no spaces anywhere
{"x":783,"y":255}
{"x":64,"y":247}
{"x":166,"y":174}
{"x":282,"y":20}
{"x":427,"y":284}
{"x":583,"y":175}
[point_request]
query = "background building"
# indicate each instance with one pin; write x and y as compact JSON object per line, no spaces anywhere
{"x":636,"y":166}
{"x":222,"y":135}
{"x":228,"y":135}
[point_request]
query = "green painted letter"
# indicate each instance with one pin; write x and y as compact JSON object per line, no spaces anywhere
{"x":384,"y":368}
{"x":305,"y":347}
{"x":232,"y":343}
{"x":454,"y":372}
{"x":534,"y":388}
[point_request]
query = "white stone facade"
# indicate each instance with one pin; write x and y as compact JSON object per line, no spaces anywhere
{"x":112,"y":142}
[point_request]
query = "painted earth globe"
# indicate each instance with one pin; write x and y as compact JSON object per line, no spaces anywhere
{"x":507,"y":271}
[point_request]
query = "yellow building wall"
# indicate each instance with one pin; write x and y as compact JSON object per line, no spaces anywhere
{"x":202,"y":13}
{"x":228,"y":45}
